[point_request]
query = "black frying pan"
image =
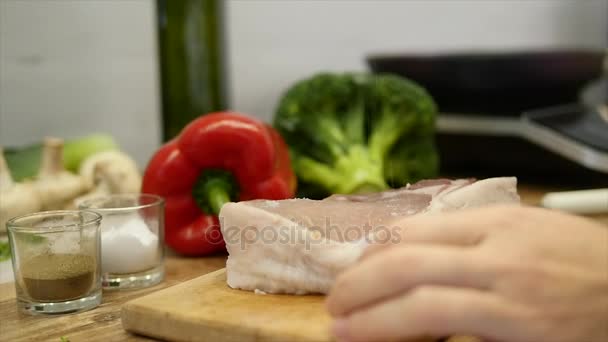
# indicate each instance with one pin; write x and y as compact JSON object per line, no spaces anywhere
{"x":502,"y":83}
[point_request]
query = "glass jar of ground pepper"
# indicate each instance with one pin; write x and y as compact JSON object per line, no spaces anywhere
{"x":56,"y":261}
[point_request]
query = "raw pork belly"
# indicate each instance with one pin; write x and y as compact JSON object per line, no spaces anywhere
{"x":298,"y":246}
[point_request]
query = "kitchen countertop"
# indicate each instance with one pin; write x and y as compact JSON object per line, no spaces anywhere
{"x":103,"y":323}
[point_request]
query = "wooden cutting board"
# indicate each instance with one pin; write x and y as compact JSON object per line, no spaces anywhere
{"x":205,"y":308}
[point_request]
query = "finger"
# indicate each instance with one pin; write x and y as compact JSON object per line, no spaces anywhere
{"x":458,"y":229}
{"x":398,"y":270}
{"x":463,"y":228}
{"x":433,"y":312}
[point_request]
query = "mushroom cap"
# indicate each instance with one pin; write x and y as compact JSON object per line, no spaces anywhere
{"x":115,"y":168}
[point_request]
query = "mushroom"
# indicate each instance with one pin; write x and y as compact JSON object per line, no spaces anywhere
{"x":56,"y":186}
{"x":113,"y":167}
{"x":109,"y":172}
{"x":15,"y":198}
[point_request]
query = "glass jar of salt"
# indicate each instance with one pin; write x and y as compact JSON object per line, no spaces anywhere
{"x":131,"y":239}
{"x":56,"y":261}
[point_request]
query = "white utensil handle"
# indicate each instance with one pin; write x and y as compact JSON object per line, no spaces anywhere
{"x":580,"y":202}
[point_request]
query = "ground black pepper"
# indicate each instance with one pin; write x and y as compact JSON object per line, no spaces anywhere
{"x":58,"y":277}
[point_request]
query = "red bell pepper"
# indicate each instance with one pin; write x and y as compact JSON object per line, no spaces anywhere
{"x":217,"y":158}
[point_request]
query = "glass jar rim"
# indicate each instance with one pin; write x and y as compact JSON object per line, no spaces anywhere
{"x":89,"y":204}
{"x":92,"y":219}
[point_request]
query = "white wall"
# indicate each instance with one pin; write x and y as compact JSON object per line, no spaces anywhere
{"x":273,"y":43}
{"x":70,"y":67}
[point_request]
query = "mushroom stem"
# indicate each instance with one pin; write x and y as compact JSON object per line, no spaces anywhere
{"x":113,"y":183}
{"x":52,"y":157}
{"x":6,"y":181}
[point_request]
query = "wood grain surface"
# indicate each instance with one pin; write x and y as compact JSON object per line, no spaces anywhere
{"x":104,"y":323}
{"x":206,"y":306}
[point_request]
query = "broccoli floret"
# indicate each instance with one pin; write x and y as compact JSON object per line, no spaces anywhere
{"x":356,"y":132}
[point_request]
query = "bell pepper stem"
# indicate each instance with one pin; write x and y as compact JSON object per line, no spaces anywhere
{"x":217,"y":196}
{"x":213,"y":189}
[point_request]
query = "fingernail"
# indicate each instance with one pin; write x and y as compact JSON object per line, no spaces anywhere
{"x":339,"y":330}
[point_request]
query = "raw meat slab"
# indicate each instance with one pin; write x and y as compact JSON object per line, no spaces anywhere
{"x":299,"y":246}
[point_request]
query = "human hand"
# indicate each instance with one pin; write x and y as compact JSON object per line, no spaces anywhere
{"x":513,"y":274}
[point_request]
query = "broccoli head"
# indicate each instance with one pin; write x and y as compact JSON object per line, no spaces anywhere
{"x":356,"y":132}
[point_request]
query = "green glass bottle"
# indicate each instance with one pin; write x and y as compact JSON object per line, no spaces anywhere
{"x":192,"y":61}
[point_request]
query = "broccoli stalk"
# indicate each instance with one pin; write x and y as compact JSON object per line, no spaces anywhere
{"x":346,"y":131}
{"x":352,"y":172}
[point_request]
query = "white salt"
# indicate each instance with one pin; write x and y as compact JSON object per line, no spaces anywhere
{"x":127,"y":245}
